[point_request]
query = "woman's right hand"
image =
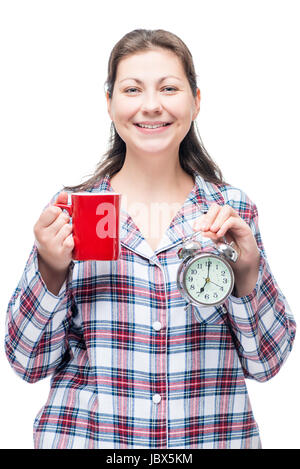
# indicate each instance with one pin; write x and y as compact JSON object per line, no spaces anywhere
{"x":54,"y":241}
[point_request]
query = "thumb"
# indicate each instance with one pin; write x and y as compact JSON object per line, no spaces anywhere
{"x":62,"y":198}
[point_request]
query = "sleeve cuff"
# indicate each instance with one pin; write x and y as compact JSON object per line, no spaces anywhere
{"x":47,"y":300}
{"x":248,"y":298}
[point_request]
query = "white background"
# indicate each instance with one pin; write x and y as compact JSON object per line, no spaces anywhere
{"x":55,"y":127}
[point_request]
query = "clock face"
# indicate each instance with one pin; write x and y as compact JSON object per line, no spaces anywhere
{"x":208,"y":279}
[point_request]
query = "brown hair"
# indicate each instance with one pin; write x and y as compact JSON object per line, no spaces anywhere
{"x":192,"y":155}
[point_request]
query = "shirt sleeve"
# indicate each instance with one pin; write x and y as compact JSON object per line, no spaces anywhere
{"x":262,"y":323}
{"x":37,"y":322}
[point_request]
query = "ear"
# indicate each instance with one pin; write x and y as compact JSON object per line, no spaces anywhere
{"x":197,"y":104}
{"x":108,"y":100}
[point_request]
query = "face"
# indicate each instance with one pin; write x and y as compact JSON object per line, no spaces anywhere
{"x":151,"y":89}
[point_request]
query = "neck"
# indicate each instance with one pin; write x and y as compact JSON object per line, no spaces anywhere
{"x":153,"y":176}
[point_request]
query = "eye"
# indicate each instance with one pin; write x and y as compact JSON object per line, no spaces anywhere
{"x":131,"y":90}
{"x":170,"y":88}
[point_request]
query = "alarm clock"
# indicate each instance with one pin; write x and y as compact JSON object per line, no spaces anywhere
{"x":205,"y":278}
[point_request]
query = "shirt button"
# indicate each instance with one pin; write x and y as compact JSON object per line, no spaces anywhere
{"x":156,"y":326}
{"x":156,"y":398}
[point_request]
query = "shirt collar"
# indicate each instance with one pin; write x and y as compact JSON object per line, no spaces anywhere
{"x":196,"y":203}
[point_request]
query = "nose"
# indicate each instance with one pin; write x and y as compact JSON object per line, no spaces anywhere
{"x":151,"y":103}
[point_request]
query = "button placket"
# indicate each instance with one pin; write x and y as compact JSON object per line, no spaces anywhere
{"x":158,"y":399}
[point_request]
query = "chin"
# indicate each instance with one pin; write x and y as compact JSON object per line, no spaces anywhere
{"x":154,"y":150}
{"x":156,"y":147}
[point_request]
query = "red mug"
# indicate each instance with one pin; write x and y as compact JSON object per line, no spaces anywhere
{"x":96,"y":225}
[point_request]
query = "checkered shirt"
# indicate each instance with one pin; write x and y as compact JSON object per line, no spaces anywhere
{"x":132,"y":365}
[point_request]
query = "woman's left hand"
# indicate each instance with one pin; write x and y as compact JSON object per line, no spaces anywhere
{"x":223,"y":220}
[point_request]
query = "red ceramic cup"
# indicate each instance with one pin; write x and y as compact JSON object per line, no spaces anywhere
{"x":96,"y":225}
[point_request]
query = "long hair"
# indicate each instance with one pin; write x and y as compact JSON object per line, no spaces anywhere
{"x":193,"y":156}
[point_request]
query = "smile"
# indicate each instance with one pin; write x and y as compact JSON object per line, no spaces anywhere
{"x":148,"y":126}
{"x":152,"y":129}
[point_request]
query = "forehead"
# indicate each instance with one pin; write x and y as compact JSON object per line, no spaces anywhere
{"x":154,"y":62}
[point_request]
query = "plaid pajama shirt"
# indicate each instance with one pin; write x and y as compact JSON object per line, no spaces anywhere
{"x":130,"y":365}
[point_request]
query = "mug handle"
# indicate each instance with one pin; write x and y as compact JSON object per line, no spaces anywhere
{"x":66,"y":207}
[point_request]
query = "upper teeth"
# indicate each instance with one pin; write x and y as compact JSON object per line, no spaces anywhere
{"x":147,"y":126}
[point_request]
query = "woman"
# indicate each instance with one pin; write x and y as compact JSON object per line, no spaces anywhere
{"x":132,"y":364}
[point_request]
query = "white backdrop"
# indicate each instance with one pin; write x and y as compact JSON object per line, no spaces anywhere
{"x":55,"y":127}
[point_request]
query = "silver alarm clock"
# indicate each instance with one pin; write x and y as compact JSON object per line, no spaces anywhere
{"x":205,"y":278}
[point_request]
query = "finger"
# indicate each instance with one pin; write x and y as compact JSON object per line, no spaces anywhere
{"x":237,"y":226}
{"x":205,"y":221}
{"x":226,"y":212}
{"x":48,"y":216}
{"x":69,"y":242}
{"x":209,"y":234}
{"x":63,"y":233}
{"x":62,"y":220}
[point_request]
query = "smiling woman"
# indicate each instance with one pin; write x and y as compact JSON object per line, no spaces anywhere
{"x":152,"y":121}
{"x":130,"y":67}
{"x":134,"y":364}
{"x":170,"y":114}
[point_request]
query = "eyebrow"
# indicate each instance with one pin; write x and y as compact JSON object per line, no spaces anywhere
{"x":141,"y":82}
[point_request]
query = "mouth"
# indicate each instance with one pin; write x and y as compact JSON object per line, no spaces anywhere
{"x":159,"y":125}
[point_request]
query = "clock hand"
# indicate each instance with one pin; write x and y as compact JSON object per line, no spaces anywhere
{"x":206,"y":279}
{"x":202,"y":288}
{"x":209,"y":264}
{"x":220,"y":286}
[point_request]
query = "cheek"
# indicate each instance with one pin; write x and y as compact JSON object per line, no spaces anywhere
{"x":184,"y":119}
{"x":181,"y":109}
{"x":125,"y":110}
